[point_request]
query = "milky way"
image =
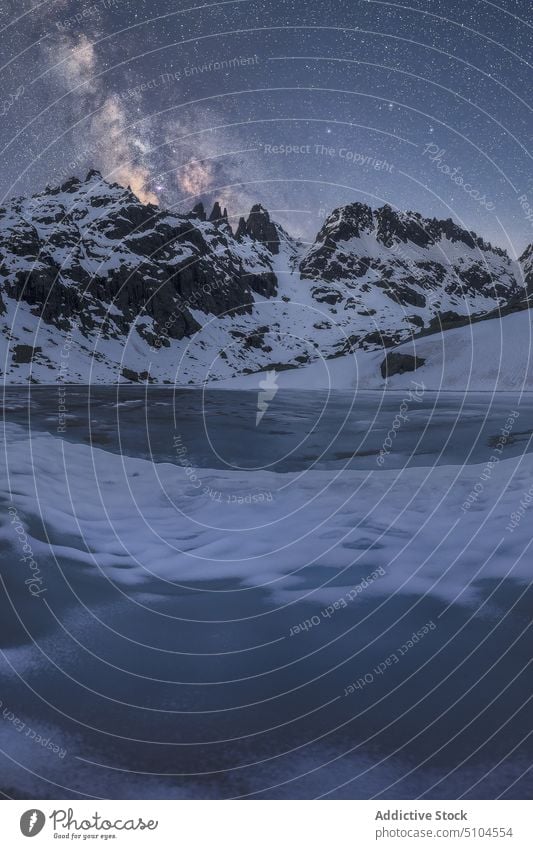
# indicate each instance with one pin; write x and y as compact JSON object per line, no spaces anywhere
{"x":298,"y":104}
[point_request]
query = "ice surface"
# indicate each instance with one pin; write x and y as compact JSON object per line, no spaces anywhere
{"x":132,"y":520}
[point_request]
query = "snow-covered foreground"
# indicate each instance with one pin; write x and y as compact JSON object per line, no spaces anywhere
{"x":155,"y":612}
{"x":131,"y":521}
{"x":490,"y":356}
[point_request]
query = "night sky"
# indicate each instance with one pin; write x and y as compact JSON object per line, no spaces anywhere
{"x":298,"y":104}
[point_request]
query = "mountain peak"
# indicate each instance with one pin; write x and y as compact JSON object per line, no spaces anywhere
{"x":199,"y":211}
{"x":216,"y":212}
{"x":346,"y":222}
{"x":390,"y":226}
{"x":93,"y":174}
{"x":70,"y":185}
{"x":241,"y":229}
{"x":260,"y":228}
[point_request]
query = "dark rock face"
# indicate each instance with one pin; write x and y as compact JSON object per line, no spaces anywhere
{"x":399,"y":363}
{"x":443,"y":320}
{"x":405,"y":296}
{"x":24,"y":353}
{"x":136,"y":377}
{"x":345,"y":223}
{"x":241,"y":229}
{"x":381,"y":339}
{"x":326,"y":296}
{"x":265,"y":284}
{"x":259,"y":227}
{"x":71,"y":185}
{"x":199,"y":211}
{"x":216,"y":212}
{"x":412,"y":227}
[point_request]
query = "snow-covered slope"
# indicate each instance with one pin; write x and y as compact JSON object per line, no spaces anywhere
{"x":493,"y":355}
{"x":490,"y":355}
{"x":96,"y":287}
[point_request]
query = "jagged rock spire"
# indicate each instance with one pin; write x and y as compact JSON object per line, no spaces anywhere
{"x":199,"y":211}
{"x":216,"y":212}
{"x":260,"y":227}
{"x":241,"y":229}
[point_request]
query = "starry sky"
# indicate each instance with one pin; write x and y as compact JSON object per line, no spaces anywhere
{"x":302,"y":105}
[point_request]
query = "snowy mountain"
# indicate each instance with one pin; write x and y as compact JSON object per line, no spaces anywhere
{"x":97,"y":287}
{"x":433,"y":270}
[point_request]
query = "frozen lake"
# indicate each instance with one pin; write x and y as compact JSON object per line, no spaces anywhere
{"x":212,"y":606}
